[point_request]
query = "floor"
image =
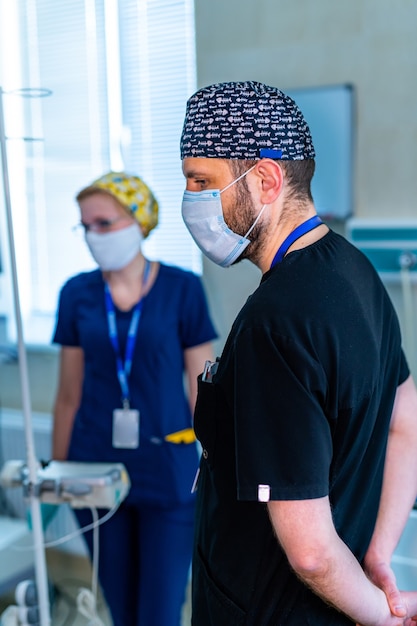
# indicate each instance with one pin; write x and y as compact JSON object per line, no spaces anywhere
{"x":68,"y":573}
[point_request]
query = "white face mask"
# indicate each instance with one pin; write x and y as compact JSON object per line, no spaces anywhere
{"x":203,"y":215}
{"x":116,"y":249}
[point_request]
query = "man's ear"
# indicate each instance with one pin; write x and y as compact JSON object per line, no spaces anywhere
{"x":271,"y":178}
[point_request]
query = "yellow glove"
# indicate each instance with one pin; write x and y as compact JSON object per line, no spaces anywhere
{"x":182,"y":436}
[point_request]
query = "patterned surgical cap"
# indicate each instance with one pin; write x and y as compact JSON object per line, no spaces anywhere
{"x":244,"y":120}
{"x":133,"y":194}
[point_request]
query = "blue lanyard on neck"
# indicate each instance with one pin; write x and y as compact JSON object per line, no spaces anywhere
{"x":123,"y":369}
{"x":298,"y":232}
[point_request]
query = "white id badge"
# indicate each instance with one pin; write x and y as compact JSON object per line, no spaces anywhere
{"x":125,"y":428}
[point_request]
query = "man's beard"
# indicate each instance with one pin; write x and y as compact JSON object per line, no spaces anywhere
{"x":242,"y":216}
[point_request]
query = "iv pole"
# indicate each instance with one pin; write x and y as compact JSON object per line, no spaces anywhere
{"x":38,"y":538}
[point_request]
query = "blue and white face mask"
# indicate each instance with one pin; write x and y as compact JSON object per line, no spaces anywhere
{"x":202,"y":213}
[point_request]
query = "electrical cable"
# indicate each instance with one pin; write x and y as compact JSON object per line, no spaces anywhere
{"x":86,"y":599}
{"x":75,"y":533}
{"x":83,"y":529}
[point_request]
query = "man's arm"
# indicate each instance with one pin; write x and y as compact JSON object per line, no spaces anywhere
{"x":399,"y":491}
{"x":323,"y":562}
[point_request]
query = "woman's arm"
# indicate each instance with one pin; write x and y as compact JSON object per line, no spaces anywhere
{"x":194,"y":359}
{"x":71,"y":372}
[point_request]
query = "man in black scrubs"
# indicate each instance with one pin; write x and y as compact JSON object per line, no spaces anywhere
{"x":308,"y":421}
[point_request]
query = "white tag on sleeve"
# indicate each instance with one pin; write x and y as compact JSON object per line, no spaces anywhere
{"x":264,"y":493}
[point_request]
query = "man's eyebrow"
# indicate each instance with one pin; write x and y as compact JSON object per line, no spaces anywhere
{"x":196,"y":174}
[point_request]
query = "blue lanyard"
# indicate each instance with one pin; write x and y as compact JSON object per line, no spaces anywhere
{"x":123,"y":369}
{"x":298,"y":232}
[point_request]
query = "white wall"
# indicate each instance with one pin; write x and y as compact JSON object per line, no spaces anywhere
{"x":369,"y":43}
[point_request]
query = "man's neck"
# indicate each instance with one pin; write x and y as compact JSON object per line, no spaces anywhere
{"x":283,"y":230}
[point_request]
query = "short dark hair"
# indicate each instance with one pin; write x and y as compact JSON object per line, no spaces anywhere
{"x":298,"y":173}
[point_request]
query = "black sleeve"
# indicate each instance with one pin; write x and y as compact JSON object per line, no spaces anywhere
{"x":283,"y":438}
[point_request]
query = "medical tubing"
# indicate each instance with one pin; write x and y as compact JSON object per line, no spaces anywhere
{"x":86,"y":599}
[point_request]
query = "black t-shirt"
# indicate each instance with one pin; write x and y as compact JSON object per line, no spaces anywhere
{"x":299,"y":408}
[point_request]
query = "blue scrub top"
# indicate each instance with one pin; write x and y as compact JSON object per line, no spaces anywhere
{"x":174,"y":317}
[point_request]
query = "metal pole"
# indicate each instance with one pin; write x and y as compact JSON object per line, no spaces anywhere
{"x":39,"y":549}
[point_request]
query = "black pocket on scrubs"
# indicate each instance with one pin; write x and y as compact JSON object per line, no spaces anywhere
{"x":210,"y":604}
{"x":205,"y":419}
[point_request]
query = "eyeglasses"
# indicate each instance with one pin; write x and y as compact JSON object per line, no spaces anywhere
{"x":99,"y":226}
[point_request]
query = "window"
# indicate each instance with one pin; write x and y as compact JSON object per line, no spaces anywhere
{"x":119,"y":75}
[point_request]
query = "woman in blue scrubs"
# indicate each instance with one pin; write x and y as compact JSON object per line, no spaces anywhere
{"x":129,"y":331}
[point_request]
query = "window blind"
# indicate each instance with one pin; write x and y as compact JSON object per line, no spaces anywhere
{"x":120,"y":73}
